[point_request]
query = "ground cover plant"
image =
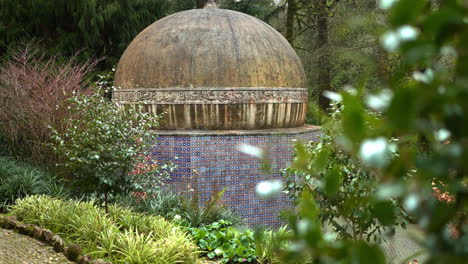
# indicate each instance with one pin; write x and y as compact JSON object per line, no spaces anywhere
{"x":121,"y":236}
{"x":222,"y":241}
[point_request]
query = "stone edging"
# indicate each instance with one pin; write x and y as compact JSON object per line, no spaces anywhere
{"x":211,"y":95}
{"x":48,"y":237}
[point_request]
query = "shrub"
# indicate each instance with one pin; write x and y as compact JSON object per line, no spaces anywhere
{"x":18,"y":180}
{"x":122,"y":236}
{"x":32,"y":91}
{"x":341,"y":187}
{"x":103,"y":144}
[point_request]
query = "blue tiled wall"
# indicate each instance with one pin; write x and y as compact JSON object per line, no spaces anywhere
{"x":208,"y":164}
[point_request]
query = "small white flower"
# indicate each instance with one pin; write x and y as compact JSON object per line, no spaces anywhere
{"x":375,"y":152}
{"x":333,"y":96}
{"x":268,"y":189}
{"x":411,"y":203}
{"x":350,"y":89}
{"x":330,"y":236}
{"x":177,"y":217}
{"x":442,"y":135}
{"x":390,"y":41}
{"x":407,"y":33}
{"x":303,"y":226}
{"x":386,"y":4}
{"x":448,"y":51}
{"x":441,"y":89}
{"x":380,"y":101}
{"x":250,"y":150}
{"x":425,"y":77}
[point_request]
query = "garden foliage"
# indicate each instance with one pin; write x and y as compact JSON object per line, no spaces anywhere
{"x":341,"y":187}
{"x":424,"y":109}
{"x":99,"y":28}
{"x":18,"y":180}
{"x":172,"y":205}
{"x":121,"y":236}
{"x":104,"y":145}
{"x":221,"y":240}
{"x":33,"y":89}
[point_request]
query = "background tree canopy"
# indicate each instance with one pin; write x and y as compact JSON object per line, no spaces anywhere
{"x":328,"y":35}
{"x":97,"y":28}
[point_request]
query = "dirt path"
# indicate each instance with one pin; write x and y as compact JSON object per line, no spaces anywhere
{"x":20,"y":249}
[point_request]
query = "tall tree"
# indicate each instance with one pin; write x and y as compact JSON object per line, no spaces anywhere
{"x":201,"y":3}
{"x":323,"y":47}
{"x":97,"y":27}
{"x":291,"y":13}
{"x":257,"y":8}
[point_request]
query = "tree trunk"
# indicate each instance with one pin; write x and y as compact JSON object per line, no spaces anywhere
{"x":290,"y":15}
{"x":323,"y":60}
{"x":201,"y":3}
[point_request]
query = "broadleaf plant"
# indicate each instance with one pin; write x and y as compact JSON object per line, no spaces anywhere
{"x":104,"y":146}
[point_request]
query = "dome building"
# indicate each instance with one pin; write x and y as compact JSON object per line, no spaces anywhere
{"x":222,"y":80}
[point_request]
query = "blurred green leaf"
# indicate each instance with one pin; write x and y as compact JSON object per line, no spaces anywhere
{"x":385,"y":212}
{"x":406,"y":11}
{"x":333,"y":181}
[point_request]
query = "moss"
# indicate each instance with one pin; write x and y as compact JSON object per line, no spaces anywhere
{"x":73,"y":252}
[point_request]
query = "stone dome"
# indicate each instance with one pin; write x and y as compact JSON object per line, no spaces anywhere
{"x":214,"y":69}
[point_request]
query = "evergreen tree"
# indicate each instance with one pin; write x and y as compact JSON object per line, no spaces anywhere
{"x":97,"y":28}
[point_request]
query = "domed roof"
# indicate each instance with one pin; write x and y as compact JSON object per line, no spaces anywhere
{"x":209,"y":47}
{"x":214,"y":69}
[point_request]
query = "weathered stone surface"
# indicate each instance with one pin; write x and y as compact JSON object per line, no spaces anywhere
{"x":10,"y":222}
{"x":37,"y":232}
{"x":209,"y":48}
{"x":57,"y":242}
{"x":47,"y":235}
{"x":86,"y":259}
{"x":214,"y":69}
{"x":21,"y":228}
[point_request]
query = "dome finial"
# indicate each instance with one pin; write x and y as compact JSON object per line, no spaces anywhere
{"x":211,"y":4}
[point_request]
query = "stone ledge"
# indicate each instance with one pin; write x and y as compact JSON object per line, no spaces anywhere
{"x":211,"y":95}
{"x":277,"y":131}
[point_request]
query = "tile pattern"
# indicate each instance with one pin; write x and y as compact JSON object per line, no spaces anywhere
{"x":209,"y":163}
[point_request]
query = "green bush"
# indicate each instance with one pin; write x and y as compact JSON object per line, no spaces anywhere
{"x":18,"y":180}
{"x":104,"y":147}
{"x":222,"y":241}
{"x":341,"y":187}
{"x":122,"y":236}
